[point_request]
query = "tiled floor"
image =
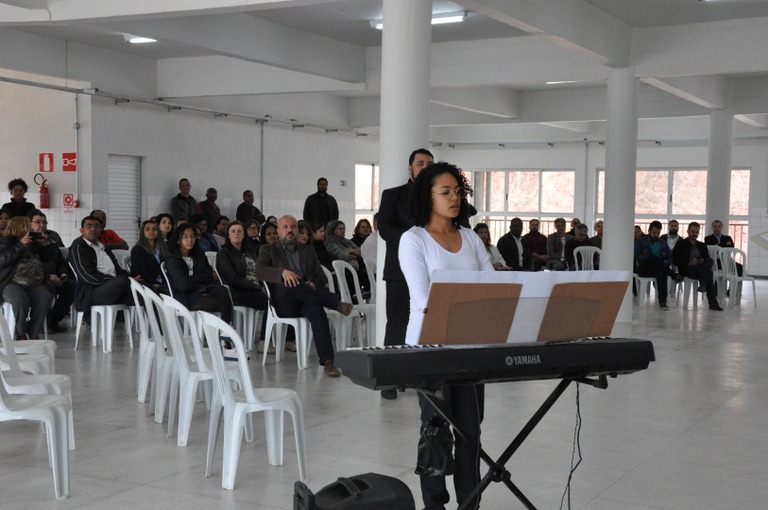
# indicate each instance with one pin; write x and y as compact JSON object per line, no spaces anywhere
{"x":689,"y":433}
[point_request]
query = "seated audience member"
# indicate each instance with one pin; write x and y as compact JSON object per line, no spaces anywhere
{"x":164,"y":226}
{"x":597,"y":239}
{"x":183,"y":205}
{"x":537,"y":245}
{"x":205,"y":240}
{"x":55,"y":267}
{"x":653,"y":259}
{"x":556,"y":246}
{"x":574,"y":222}
{"x":305,"y":233}
{"x":193,"y":283}
{"x":100,"y":280}
{"x":237,"y":268}
{"x":341,"y":248}
{"x":220,"y":230}
{"x":362,"y":230}
{"x":299,"y":287}
{"x":271,"y":219}
{"x":638,"y":232}
{"x":147,"y":255}
{"x":268,"y":233}
{"x":717,"y":238}
{"x":252,"y":228}
{"x":513,"y":248}
{"x":209,"y":208}
{"x":497,"y":261}
{"x":108,"y":238}
{"x":18,"y":206}
{"x":318,"y":243}
{"x":370,"y":246}
{"x":247,"y":211}
{"x":5,"y":216}
{"x":580,"y":239}
{"x":22,"y":276}
{"x":692,"y":260}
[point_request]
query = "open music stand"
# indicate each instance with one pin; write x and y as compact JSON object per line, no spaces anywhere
{"x":574,"y":310}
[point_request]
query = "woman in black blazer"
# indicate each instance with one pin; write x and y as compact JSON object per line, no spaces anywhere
{"x":236,"y":265}
{"x":193,"y":282}
{"x":147,"y":255}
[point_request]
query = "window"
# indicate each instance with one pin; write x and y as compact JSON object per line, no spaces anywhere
{"x":366,"y":191}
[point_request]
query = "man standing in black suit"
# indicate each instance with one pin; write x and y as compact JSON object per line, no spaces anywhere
{"x":394,"y":220}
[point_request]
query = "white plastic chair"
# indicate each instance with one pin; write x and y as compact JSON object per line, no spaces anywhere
{"x":236,"y":405}
{"x":244,"y":318}
{"x":728,"y":259}
{"x":53,"y":411}
{"x":277,"y":337}
{"x":211,"y":256}
{"x":585,"y":257}
{"x":17,"y":382}
{"x":47,"y":347}
{"x":361,"y":307}
{"x":643,"y":284}
{"x":103,"y":319}
{"x":370,"y":265}
{"x":717,"y":270}
{"x":163,"y":365}
{"x":341,"y":325}
{"x":145,"y":371}
{"x":120,"y":256}
{"x":190,"y":369}
{"x":690,"y":287}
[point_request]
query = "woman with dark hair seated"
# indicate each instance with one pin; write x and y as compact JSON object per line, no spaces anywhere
{"x":193,"y":282}
{"x":165,"y":227}
{"x":22,"y":277}
{"x":268,"y":233}
{"x":341,"y":248}
{"x":146,"y":256}
{"x":305,"y":233}
{"x":481,"y":229}
{"x":205,"y":240}
{"x":362,"y":230}
{"x":237,"y":268}
{"x":18,"y":206}
{"x":318,"y":243}
{"x":252,"y":240}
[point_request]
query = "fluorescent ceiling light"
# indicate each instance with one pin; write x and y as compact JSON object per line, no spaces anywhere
{"x":134,"y":39}
{"x":559,"y":82}
{"x":437,"y":19}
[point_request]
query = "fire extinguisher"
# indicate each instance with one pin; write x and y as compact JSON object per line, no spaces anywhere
{"x":44,"y":199}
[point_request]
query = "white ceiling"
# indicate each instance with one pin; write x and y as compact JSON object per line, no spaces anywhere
{"x":691,"y":55}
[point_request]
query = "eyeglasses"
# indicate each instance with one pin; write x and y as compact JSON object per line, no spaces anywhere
{"x":39,"y":222}
{"x":189,"y":238}
{"x":447,"y":193}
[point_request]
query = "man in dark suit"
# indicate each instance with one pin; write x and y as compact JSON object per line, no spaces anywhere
{"x":717,"y":238}
{"x":692,"y":260}
{"x":394,"y":220}
{"x":514,"y":248}
{"x":300,"y":286}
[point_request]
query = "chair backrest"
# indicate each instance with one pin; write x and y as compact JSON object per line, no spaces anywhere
{"x":7,"y":341}
{"x":120,"y":256}
{"x":214,"y":328}
{"x":165,"y":277}
{"x":137,"y":290}
{"x":714,"y":252}
{"x":370,"y":269}
{"x":156,"y":319}
{"x":728,"y":258}
{"x":173,"y":311}
{"x":329,"y":277}
{"x":64,"y":252}
{"x":211,"y":256}
{"x":585,"y":257}
{"x":341,"y":267}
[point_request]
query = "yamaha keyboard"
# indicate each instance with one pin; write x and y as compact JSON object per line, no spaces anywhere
{"x":430,"y":366}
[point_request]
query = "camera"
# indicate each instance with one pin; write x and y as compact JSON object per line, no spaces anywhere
{"x":36,"y":236}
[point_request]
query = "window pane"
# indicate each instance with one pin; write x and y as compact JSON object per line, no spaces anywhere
{"x":651,"y":192}
{"x":523,"y":191}
{"x":557,"y":190}
{"x":600,"y":191}
{"x":739,"y":193}
{"x":689,"y":192}
{"x":363,"y":187}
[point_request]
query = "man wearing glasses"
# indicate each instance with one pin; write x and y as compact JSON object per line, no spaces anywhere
{"x":100,"y":280}
{"x":55,"y":267}
{"x":556,"y":246}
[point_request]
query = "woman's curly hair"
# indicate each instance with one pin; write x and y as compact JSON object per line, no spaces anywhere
{"x":420,"y":199}
{"x":176,"y":237}
{"x":18,"y":182}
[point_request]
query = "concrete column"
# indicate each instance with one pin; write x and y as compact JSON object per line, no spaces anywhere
{"x":405,"y":91}
{"x":620,"y":167}
{"x":719,"y":169}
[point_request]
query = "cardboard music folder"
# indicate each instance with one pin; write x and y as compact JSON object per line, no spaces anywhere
{"x":469,"y":313}
{"x":583,"y":309}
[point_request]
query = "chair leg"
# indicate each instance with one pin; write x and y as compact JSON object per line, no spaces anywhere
{"x":214,"y":420}
{"x":77,"y":330}
{"x":274,"y":425}
{"x":233,"y":431}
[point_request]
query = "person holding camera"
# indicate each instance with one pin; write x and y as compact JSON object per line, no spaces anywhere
{"x":22,"y":276}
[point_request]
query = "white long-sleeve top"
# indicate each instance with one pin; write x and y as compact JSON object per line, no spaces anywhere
{"x":420,"y":255}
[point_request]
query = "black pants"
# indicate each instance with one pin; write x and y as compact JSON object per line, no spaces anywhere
{"x":66,"y":295}
{"x":305,"y":301}
{"x":703,"y":273}
{"x":214,"y":299}
{"x":656,"y":268}
{"x":113,"y":291}
{"x":466,"y":403}
{"x":398,"y":312}
{"x":255,"y":299}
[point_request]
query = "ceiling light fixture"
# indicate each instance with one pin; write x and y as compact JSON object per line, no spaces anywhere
{"x":437,"y":19}
{"x":559,"y":82}
{"x":135,"y":39}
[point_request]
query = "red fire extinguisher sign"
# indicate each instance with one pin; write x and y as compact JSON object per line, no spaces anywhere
{"x":46,"y":162}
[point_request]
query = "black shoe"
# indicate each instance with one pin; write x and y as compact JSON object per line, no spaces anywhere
{"x":680,"y":278}
{"x":389,"y":394}
{"x":56,"y":328}
{"x":663,"y":306}
{"x":716,"y":307}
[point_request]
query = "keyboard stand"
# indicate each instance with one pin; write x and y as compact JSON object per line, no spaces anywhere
{"x":497,"y":472}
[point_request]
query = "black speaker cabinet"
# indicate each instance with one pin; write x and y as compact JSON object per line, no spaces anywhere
{"x":370,"y":491}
